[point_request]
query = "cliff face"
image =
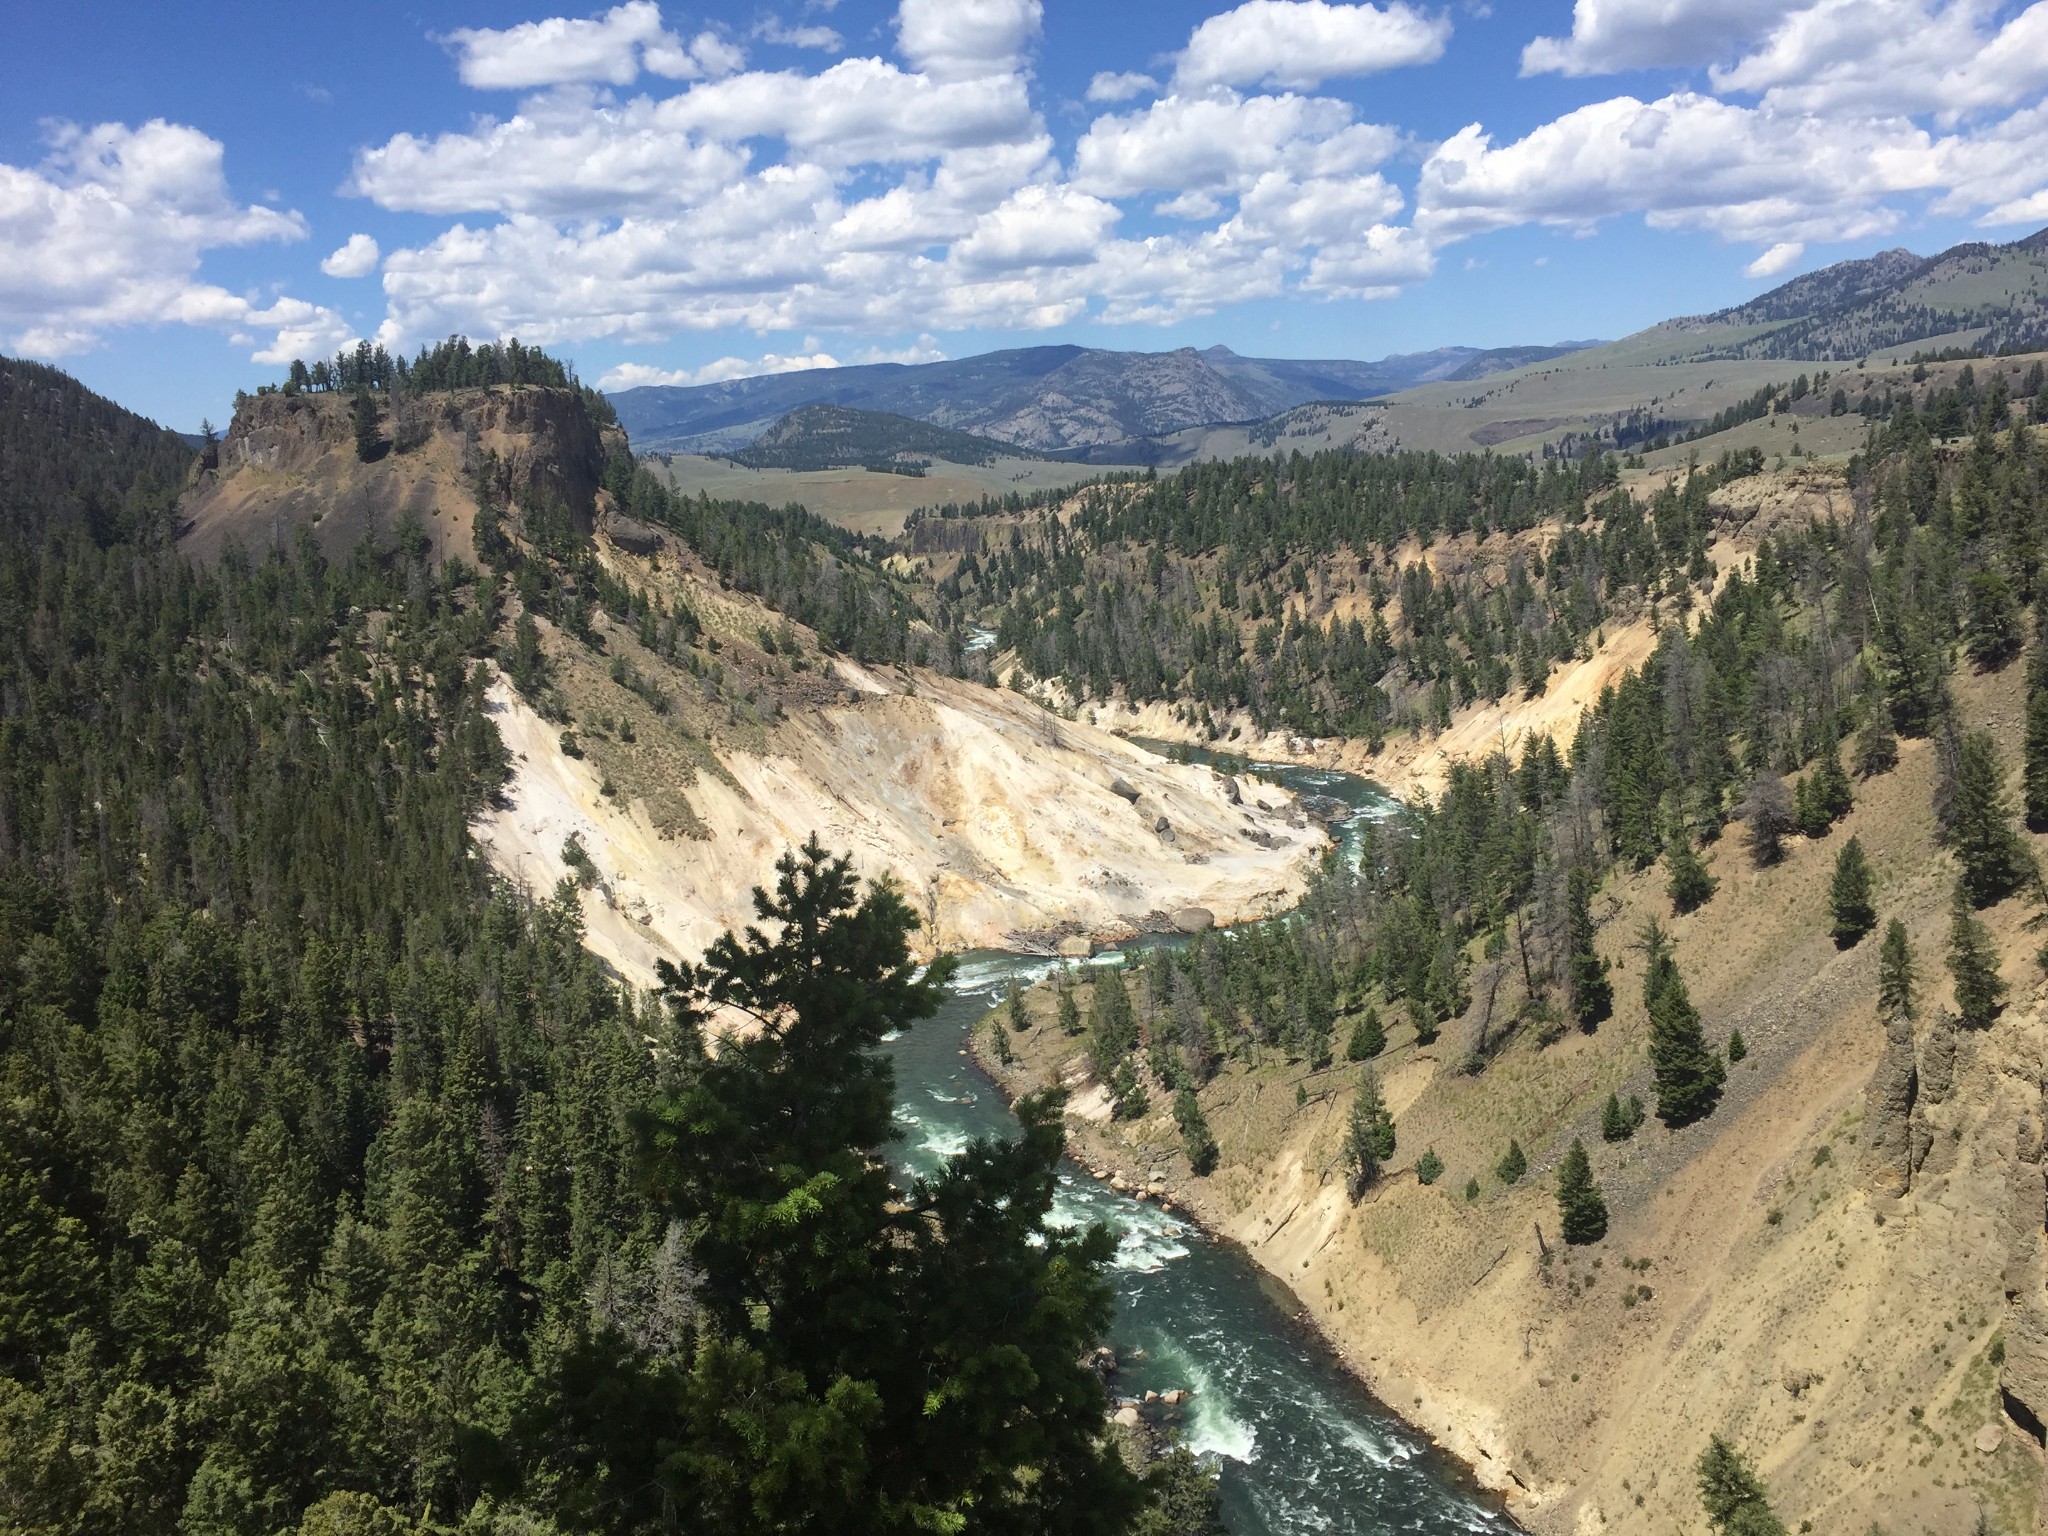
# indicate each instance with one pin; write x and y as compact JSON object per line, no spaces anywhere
{"x":290,"y":461}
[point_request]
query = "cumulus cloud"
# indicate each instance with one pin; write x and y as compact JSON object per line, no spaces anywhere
{"x":967,"y":39}
{"x":1612,"y":35}
{"x":1685,"y":161}
{"x":611,"y":49}
{"x":356,"y":257}
{"x":110,"y":231}
{"x":1301,"y":43}
{"x":1111,"y":85}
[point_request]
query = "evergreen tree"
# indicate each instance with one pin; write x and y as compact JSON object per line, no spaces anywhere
{"x":1690,"y":886}
{"x":847,"y":1319}
{"x":1895,"y":971}
{"x":1580,"y":1208}
{"x":1849,"y":895}
{"x":1368,"y":1037}
{"x":1019,"y":1016}
{"x":1618,"y":1120}
{"x":1592,"y":993}
{"x":1688,"y":1073}
{"x":1428,"y":1167}
{"x":1877,"y":749}
{"x":1186,"y":1498}
{"x":1369,"y":1139}
{"x":1513,"y":1164}
{"x":1995,"y":861}
{"x":363,"y":413}
{"x":1067,"y":1010}
{"x":1991,"y":620}
{"x":2035,"y":776}
{"x":1973,"y":964}
{"x":1738,"y":1047}
{"x":1196,"y":1139}
{"x":1733,"y":1495}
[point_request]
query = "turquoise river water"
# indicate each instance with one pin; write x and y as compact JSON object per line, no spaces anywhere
{"x":1300,"y":1444}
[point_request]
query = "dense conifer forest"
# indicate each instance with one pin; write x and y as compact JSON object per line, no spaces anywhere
{"x":344,"y":1192}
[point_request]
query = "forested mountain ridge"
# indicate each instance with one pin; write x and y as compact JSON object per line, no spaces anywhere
{"x":830,"y":436}
{"x":1996,"y":293}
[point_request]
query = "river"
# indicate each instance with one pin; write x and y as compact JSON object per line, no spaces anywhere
{"x":1300,"y":1444}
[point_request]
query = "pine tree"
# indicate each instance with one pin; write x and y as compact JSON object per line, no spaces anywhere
{"x":1068,"y":1011}
{"x":1196,"y":1139}
{"x":1020,"y":1018}
{"x":1428,"y":1167}
{"x":1732,"y":1494}
{"x":1994,"y":859}
{"x":1580,"y":1208}
{"x":1513,"y":1164}
{"x":1619,"y":1120}
{"x":1369,"y":1140}
{"x":2036,"y":748}
{"x":1991,"y":620}
{"x":1689,"y":1075}
{"x":1849,"y":895}
{"x":1877,"y":749}
{"x":1592,"y":993}
{"x":1895,"y":971}
{"x":1368,"y":1037}
{"x":1980,"y":990}
{"x":1690,"y":886}
{"x":363,"y":412}
{"x":1737,"y":1047}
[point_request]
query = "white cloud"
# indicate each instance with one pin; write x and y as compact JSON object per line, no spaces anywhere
{"x":1685,"y":162}
{"x":1039,"y":227}
{"x":1224,"y":141}
{"x":1109,"y":85}
{"x":1892,"y":56}
{"x":110,"y":231}
{"x":637,"y":375}
{"x":967,"y":39}
{"x":356,"y":257}
{"x":1301,"y":43}
{"x":786,"y":36}
{"x":1776,"y":259}
{"x":611,"y":49}
{"x":1611,"y":35}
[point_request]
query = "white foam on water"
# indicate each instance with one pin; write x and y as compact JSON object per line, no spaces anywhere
{"x":945,"y":1142}
{"x":894,"y":1034}
{"x":1380,"y":1450}
{"x":1211,"y":1428}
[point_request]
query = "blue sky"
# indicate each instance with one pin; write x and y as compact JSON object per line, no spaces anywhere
{"x":191,"y":195}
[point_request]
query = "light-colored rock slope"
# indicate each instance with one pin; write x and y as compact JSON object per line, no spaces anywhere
{"x":996,"y":819}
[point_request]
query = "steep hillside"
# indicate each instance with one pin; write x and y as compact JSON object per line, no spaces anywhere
{"x":686,"y":730}
{"x":68,"y":455}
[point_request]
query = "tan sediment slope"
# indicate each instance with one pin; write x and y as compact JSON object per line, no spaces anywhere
{"x":996,"y":818}
{"x":1751,"y":1284}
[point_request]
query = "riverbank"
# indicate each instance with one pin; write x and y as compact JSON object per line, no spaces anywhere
{"x":1751,"y":1284}
{"x":1143,"y":1160}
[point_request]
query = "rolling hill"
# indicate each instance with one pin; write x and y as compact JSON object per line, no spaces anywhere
{"x":837,"y":436}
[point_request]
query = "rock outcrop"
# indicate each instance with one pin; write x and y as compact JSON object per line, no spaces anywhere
{"x":1888,"y":1148}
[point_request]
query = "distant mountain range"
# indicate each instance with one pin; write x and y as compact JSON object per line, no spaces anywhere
{"x":1047,"y":398}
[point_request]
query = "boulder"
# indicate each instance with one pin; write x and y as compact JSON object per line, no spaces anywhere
{"x":1164,"y":828}
{"x":1076,"y":947}
{"x":1124,"y":789}
{"x":1231,"y":792}
{"x":1127,"y":1416}
{"x":1194,"y":919}
{"x":1176,"y":1397}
